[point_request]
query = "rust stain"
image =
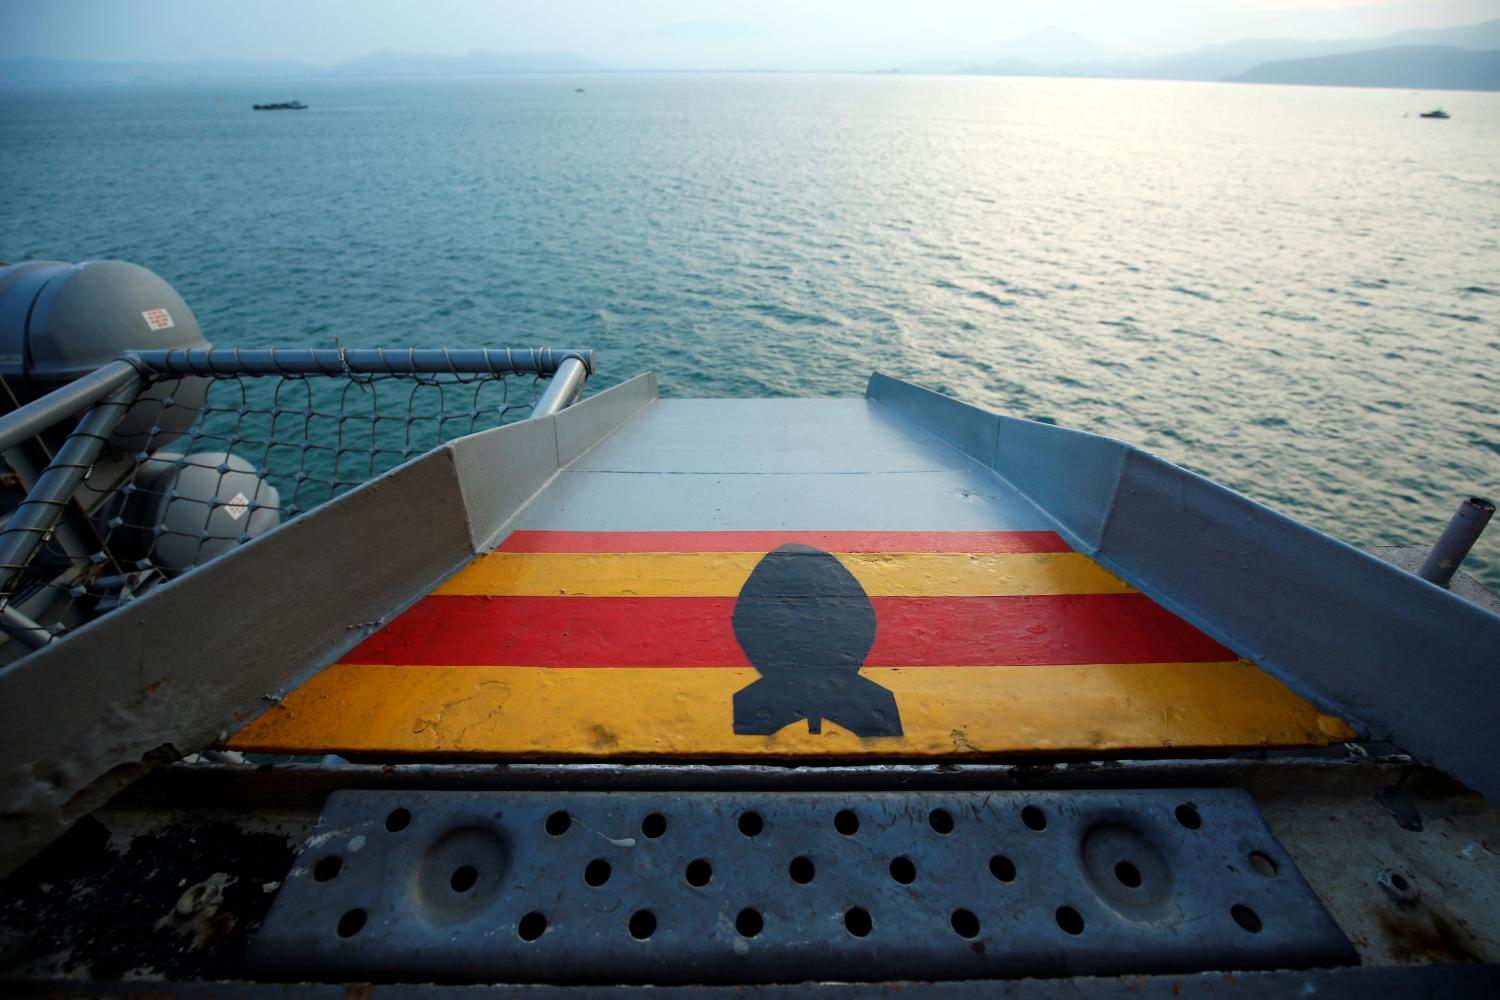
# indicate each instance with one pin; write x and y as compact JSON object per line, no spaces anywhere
{"x":1418,"y":937}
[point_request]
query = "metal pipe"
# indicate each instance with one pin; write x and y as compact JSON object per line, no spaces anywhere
{"x":565,"y":387}
{"x":68,"y":534}
{"x":22,"y":629}
{"x":36,"y":516}
{"x":347,"y":361}
{"x":60,"y":404}
{"x":1456,"y":541}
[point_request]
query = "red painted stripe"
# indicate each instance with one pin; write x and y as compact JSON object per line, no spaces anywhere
{"x":765,"y":541}
{"x":697,"y":632}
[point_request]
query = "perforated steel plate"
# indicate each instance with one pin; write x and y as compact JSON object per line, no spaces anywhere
{"x":749,"y":887}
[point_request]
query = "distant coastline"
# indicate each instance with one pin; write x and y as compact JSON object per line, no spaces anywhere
{"x":1458,"y":58}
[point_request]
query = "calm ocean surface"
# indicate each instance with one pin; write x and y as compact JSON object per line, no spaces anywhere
{"x":1293,"y":290}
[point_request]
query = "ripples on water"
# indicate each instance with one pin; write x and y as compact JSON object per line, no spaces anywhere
{"x":1293,"y":290}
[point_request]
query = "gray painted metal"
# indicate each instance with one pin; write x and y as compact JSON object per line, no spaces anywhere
{"x":34,"y":519}
{"x":60,"y":404}
{"x":734,"y":464}
{"x":735,"y":887}
{"x":1457,"y":539}
{"x":23,"y":629}
{"x":28,"y":469}
{"x":1398,"y":657}
{"x":370,"y":361}
{"x":81,"y":316}
{"x":1411,"y":558}
{"x":195,"y":659}
{"x":566,"y":386}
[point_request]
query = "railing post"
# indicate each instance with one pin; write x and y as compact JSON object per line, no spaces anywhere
{"x":564,"y":389}
{"x":38,"y":514}
{"x":1456,"y":541}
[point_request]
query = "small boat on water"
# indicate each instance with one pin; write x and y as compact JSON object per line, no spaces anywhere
{"x":281,"y":106}
{"x":1436,"y":113}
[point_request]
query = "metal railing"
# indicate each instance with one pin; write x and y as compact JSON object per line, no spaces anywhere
{"x":178,"y":456}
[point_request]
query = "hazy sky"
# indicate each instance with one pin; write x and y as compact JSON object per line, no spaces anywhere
{"x":679,"y":34}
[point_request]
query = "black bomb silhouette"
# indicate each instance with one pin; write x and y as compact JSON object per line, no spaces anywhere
{"x":806,"y":625}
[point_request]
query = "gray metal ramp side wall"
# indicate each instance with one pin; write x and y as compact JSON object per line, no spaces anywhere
{"x":1399,"y":658}
{"x":195,"y":660}
{"x":559,"y":441}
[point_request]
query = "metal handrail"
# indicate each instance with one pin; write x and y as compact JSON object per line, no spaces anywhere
{"x":109,"y":391}
{"x":358,"y":361}
{"x":564,"y":389}
{"x":52,"y":409}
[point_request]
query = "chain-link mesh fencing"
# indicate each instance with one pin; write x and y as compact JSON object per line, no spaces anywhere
{"x":202,"y":463}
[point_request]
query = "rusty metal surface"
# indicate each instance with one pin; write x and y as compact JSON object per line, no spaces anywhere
{"x":742,"y":887}
{"x":1423,"y":983}
{"x":143,"y":893}
{"x":1351,"y":823}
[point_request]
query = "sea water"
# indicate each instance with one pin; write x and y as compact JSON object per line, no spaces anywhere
{"x":1295,"y":291}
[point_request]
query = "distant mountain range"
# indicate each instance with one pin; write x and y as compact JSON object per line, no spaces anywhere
{"x":1417,"y":67}
{"x":1462,"y":58}
{"x":386,"y":62}
{"x":1221,"y":62}
{"x":1409,"y":59}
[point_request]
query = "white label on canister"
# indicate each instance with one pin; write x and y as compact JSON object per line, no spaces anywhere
{"x":237,"y":506}
{"x":158,"y":319}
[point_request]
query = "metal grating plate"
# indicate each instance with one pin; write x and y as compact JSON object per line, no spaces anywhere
{"x":761,"y":887}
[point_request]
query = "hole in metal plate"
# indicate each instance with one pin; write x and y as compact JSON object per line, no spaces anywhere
{"x":699,"y":872}
{"x":642,"y":924}
{"x":351,"y":923}
{"x":1070,"y":920}
{"x":749,"y":923}
{"x":903,"y":871}
{"x":531,"y":927}
{"x":596,"y":873}
{"x":463,"y":878}
{"x":846,"y":822}
{"x":857,"y":921}
{"x":801,"y":870}
{"x":941,"y":820}
{"x":328,"y":868}
{"x":965,"y":924}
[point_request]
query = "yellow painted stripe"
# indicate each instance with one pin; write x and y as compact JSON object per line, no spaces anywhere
{"x":602,"y":712}
{"x":722,"y":574}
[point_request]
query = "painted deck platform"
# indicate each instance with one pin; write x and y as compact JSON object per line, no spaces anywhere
{"x":902,"y":577}
{"x":784,"y":578}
